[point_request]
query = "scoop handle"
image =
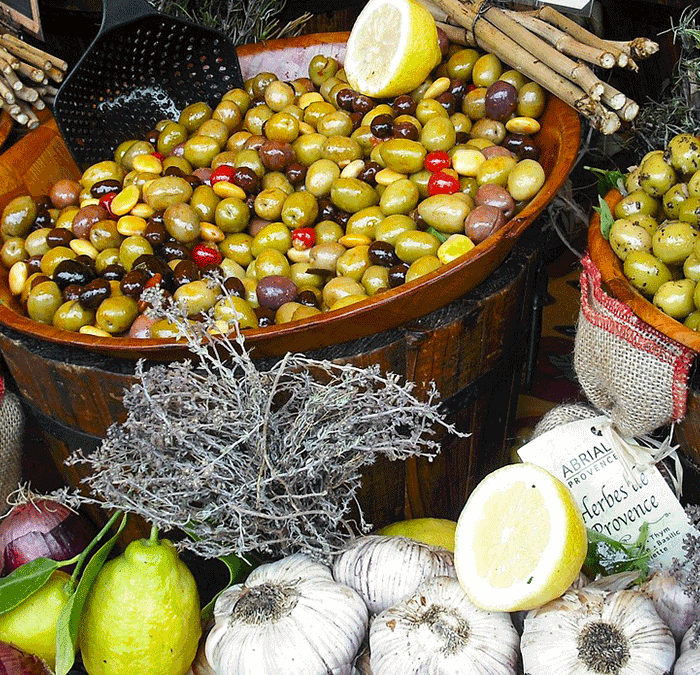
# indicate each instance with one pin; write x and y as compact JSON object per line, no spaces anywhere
{"x":118,"y":12}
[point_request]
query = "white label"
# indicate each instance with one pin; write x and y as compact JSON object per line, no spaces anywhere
{"x":577,"y":454}
{"x":579,"y":6}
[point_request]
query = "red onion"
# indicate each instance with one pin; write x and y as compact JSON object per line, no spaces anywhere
{"x":14,"y":661}
{"x":41,"y":528}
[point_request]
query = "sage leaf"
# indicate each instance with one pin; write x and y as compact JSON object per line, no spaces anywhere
{"x":23,"y":582}
{"x":606,"y":217}
{"x":238,"y":569}
{"x":608,"y":179}
{"x":69,"y":618}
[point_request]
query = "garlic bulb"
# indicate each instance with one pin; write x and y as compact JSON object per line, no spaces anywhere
{"x":688,"y":663}
{"x":289,"y":617}
{"x":383,"y":570}
{"x":439,"y":631}
{"x":589,"y":631}
{"x":672,"y":603}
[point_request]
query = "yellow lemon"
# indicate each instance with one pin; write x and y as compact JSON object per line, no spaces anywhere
{"x":433,"y":531}
{"x":392,"y":48}
{"x":520,"y":539}
{"x":31,"y":626}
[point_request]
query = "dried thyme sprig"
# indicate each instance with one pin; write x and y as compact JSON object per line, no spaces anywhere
{"x":247,"y":459}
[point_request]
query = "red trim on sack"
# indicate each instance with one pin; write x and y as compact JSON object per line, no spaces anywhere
{"x":2,"y":387}
{"x":641,"y":335}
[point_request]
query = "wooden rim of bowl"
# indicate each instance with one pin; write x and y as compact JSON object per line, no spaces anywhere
{"x":617,"y":284}
{"x":560,"y":129}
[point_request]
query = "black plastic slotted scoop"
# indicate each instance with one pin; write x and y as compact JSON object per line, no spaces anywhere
{"x":142,"y":67}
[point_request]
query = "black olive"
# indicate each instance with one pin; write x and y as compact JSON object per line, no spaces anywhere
{"x":382,"y":253}
{"x":94,"y":293}
{"x":71,"y":272}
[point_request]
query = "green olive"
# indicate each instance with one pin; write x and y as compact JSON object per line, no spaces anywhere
{"x":392,"y":226}
{"x":300,"y":209}
{"x":194,"y":115}
{"x":341,"y":287}
{"x":229,"y":113}
{"x":491,"y":130}
{"x":110,"y":256}
{"x":133,"y":247}
{"x":43,"y":300}
{"x":309,"y":148}
{"x":162,"y":192}
{"x":13,"y":251}
{"x":200,"y":150}
{"x":496,"y":170}
{"x":691,"y":267}
{"x":683,"y":153}
{"x":125,"y":145}
{"x":461,"y":64}
{"x":106,"y":170}
{"x":689,"y":211}
{"x":282,"y":127}
{"x":674,"y":241}
{"x":278,"y":95}
{"x":438,"y":134}
{"x":514,"y":77}
{"x":204,"y":201}
{"x":182,"y":222}
{"x":251,"y":160}
{"x":403,"y":155}
{"x":235,"y":311}
{"x":647,"y":222}
{"x":269,"y":202}
{"x":626,"y":237}
{"x":656,"y":177}
{"x":274,"y":235}
{"x":353,"y":195}
{"x":353,"y":262}
{"x":18,"y":217}
{"x":52,"y":257}
{"x":692,"y":321}
{"x":237,"y":247}
{"x":271,"y":262}
{"x":525,"y":180}
{"x":364,"y":138}
{"x":336,"y":123}
{"x":673,"y":198}
{"x":72,"y":316}
{"x":104,"y":234}
{"x":238,"y":96}
{"x":445,"y":212}
{"x":636,"y":202}
{"x":429,"y":108}
{"x":321,"y":68}
{"x":299,"y":273}
{"x":646,"y":272}
{"x":474,"y":103}
{"x":232,"y":215}
{"x":401,"y":196}
{"x":276,"y":179}
{"x":421,"y":179}
{"x":164,"y":330}
{"x":320,"y":177}
{"x":694,"y":184}
{"x":35,"y":242}
{"x":172,"y":134}
{"x":531,"y":100}
{"x":374,"y":279}
{"x":329,"y":231}
{"x":412,"y":245}
{"x":342,"y":150}
{"x":487,"y":70}
{"x":255,"y":119}
{"x":195,"y":296}
{"x":675,"y":298}
{"x":179,"y":162}
{"x":215,"y":129}
{"x":424,"y":265}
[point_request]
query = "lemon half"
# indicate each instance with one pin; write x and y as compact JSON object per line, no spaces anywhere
{"x":392,"y":48}
{"x":520,"y":539}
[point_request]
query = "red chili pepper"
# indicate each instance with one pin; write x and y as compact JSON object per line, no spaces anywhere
{"x":205,"y":254}
{"x":437,"y":160}
{"x":224,"y":172}
{"x":442,"y":183}
{"x":158,"y":155}
{"x":303,"y":238}
{"x":105,"y":201}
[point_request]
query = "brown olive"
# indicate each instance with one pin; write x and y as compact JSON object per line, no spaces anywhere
{"x":495,"y":195}
{"x":274,"y":290}
{"x":500,"y":101}
{"x":64,"y":193}
{"x":483,"y":221}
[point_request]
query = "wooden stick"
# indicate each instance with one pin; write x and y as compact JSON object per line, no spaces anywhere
{"x":639,"y":48}
{"x":19,"y":45}
{"x":32,"y":120}
{"x":39,"y":104}
{"x":22,"y":51}
{"x":7,"y":93}
{"x":47,"y":90}
{"x":10,"y":58}
{"x":31,"y":73}
{"x":612,"y":97}
{"x":55,"y":74}
{"x":10,"y":76}
{"x":551,"y":15}
{"x":578,"y":73}
{"x":455,"y":34}
{"x":562,"y":41}
{"x":27,"y":94}
{"x":629,"y":110}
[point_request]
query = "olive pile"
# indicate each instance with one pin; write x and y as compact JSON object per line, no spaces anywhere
{"x":286,"y":200}
{"x":656,"y":232}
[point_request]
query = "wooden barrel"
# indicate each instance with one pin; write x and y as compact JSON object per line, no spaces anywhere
{"x":463,"y":327}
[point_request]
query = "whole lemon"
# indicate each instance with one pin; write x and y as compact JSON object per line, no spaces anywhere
{"x":433,"y":531}
{"x":31,"y":626}
{"x":142,"y":614}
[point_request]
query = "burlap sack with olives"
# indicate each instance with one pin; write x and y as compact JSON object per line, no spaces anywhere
{"x":285,"y":200}
{"x":656,"y":231}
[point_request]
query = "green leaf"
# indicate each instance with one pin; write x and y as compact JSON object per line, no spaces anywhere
{"x":606,"y":217}
{"x":69,"y":619}
{"x":238,"y":569}
{"x":437,"y":234}
{"x":609,"y":556}
{"x":24,"y":582}
{"x":607,"y":179}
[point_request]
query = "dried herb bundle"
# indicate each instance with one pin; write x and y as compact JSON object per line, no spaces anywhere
{"x":247,"y":459}
{"x":678,"y":108}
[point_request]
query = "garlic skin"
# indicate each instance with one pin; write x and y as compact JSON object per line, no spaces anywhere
{"x":439,"y":631}
{"x":688,"y":663}
{"x":289,"y":617}
{"x":383,"y":570}
{"x":589,"y":631}
{"x":672,"y":603}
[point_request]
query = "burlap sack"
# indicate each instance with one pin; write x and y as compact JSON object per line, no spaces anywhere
{"x":626,"y":368}
{"x":11,"y":437}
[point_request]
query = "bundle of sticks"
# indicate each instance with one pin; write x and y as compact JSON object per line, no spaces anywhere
{"x":27,"y":78}
{"x":550,"y":49}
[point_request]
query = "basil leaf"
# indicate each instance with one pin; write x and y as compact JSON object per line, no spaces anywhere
{"x":69,"y":619}
{"x":606,"y":217}
{"x":238,"y":569}
{"x":607,"y":179}
{"x":23,"y":582}
{"x":608,"y":556}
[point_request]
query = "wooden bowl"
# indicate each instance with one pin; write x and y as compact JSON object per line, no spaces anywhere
{"x":617,"y":284}
{"x":40,"y":158}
